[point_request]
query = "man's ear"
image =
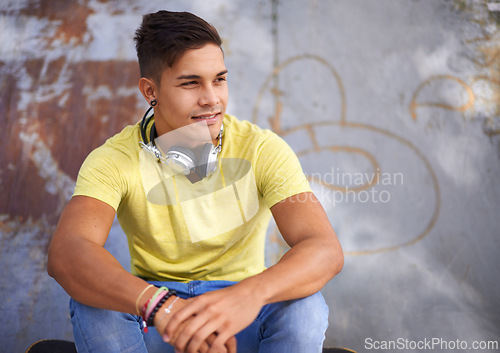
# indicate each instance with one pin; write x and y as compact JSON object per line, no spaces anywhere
{"x":148,"y":89}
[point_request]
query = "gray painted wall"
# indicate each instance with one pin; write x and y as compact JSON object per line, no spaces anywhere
{"x":392,"y":106}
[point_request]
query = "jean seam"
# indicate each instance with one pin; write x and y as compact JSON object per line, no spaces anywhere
{"x":261,"y":329}
{"x":82,"y":333}
{"x":193,"y":287}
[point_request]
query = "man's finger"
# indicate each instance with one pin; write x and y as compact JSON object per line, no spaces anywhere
{"x":220,"y":342}
{"x":231,"y":345}
{"x":174,"y":325}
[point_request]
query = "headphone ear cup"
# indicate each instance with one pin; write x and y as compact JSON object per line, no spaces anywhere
{"x":181,"y":160}
{"x":208,"y":159}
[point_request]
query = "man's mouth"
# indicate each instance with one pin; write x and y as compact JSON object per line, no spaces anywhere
{"x":208,"y":118}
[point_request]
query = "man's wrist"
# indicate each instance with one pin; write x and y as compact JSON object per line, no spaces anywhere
{"x":151,"y":307}
{"x":165,"y":310}
{"x":258,"y":287}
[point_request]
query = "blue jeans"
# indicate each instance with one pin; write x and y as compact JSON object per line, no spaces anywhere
{"x":291,"y":326}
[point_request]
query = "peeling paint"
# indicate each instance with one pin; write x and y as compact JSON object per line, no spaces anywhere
{"x":486,"y":58}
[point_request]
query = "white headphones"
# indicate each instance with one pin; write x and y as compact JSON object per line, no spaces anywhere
{"x":202,"y":160}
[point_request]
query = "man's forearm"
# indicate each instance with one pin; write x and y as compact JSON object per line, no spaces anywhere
{"x":315,"y":256}
{"x":302,"y":271}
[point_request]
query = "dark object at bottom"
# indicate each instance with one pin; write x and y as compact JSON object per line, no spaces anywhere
{"x":52,"y":346}
{"x":60,"y":346}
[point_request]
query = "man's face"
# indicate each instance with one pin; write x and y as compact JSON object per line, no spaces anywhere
{"x":194,"y":89}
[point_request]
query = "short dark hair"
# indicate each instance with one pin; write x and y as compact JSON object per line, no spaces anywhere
{"x":164,"y":36}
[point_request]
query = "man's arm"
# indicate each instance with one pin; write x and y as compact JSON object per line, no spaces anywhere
{"x":79,"y":262}
{"x":315,"y":257}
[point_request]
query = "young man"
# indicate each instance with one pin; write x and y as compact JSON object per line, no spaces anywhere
{"x":196,"y":232}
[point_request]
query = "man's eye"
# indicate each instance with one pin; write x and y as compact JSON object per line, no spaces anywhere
{"x":220,"y":79}
{"x":189,"y":83}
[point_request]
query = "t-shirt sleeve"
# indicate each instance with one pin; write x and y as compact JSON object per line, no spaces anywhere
{"x":99,"y":176}
{"x":278,"y":171}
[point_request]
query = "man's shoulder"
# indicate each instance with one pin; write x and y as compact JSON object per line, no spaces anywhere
{"x":126,"y":141}
{"x":123,"y":147}
{"x":245,"y":129}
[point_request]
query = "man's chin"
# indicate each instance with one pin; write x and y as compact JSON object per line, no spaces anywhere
{"x":215,"y":130}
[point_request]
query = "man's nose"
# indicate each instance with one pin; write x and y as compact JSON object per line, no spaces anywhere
{"x":209,"y":96}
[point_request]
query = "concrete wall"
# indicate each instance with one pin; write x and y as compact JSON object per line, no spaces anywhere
{"x":392,"y":106}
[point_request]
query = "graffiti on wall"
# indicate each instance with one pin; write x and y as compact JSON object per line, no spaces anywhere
{"x":477,"y":96}
{"x":357,"y":168}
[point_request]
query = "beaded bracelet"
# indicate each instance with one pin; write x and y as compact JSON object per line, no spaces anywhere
{"x":168,"y":309}
{"x":150,"y":319}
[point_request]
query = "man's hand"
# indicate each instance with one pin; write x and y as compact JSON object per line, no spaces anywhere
{"x":213,"y":317}
{"x":163,"y":317}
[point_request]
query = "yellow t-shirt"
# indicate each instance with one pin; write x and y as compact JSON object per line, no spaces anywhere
{"x":213,"y":229}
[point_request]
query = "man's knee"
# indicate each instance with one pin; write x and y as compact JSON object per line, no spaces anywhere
{"x":102,"y":330}
{"x":98,"y":317}
{"x":305,"y":318}
{"x":310,"y":315}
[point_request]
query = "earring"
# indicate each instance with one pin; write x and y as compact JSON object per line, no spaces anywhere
{"x":153,"y":103}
